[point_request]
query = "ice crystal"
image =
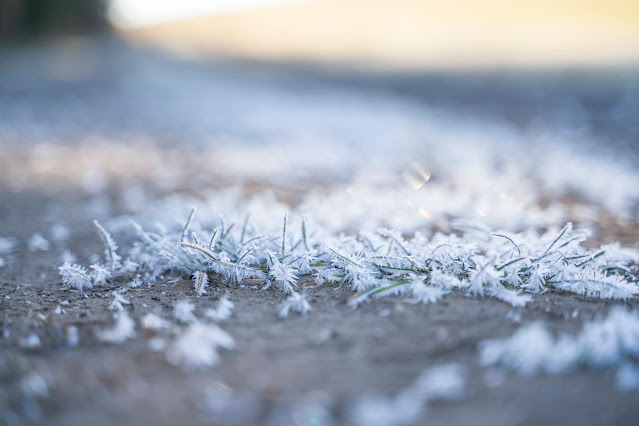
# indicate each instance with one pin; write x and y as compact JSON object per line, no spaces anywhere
{"x":99,"y":273}
{"x":222,"y":311}
{"x":197,"y":347}
{"x":75,"y":276}
{"x":117,"y":302}
{"x":152,"y":321}
{"x":123,"y":329}
{"x":183,"y":311}
{"x":421,"y":293}
{"x":200,"y":281}
{"x":283,"y":275}
{"x":110,"y":248}
{"x":296,"y":302}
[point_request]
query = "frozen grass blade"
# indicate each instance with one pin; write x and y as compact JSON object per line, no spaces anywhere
{"x":110,"y":248}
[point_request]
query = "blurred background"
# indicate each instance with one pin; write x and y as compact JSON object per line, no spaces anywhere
{"x":400,"y":34}
{"x":182,"y":94}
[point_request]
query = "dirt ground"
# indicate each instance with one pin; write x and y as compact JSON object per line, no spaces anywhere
{"x":293,"y":371}
{"x":334,"y":355}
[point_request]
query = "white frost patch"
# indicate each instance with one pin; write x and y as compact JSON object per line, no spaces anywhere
{"x":72,"y":336}
{"x":7,"y":244}
{"x":200,"y":281}
{"x":38,"y":243}
{"x":440,"y":382}
{"x":228,"y":407}
{"x":76,"y":276}
{"x":157,"y":344}
{"x":384,"y":411}
{"x":283,"y":275}
{"x":32,"y":341}
{"x":59,"y":232}
{"x":422,"y":293}
{"x":34,"y":386}
{"x":67,"y":257}
{"x":446,"y":381}
{"x":296,"y":302}
{"x":183,"y":311}
{"x":117,"y":302}
{"x":124,"y":329}
{"x":627,"y":377}
{"x":222,"y":311}
{"x":151,"y":321}
{"x":197,"y":346}
{"x":532,"y":349}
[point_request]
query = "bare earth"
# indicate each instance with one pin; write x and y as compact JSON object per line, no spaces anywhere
{"x":336,"y":353}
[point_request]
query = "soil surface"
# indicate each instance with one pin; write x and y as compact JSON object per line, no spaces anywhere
{"x":280,"y":370}
{"x":333,"y":355}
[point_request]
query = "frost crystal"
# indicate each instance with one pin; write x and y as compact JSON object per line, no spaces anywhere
{"x":197,"y":347}
{"x":200,"y":281}
{"x":295,"y":302}
{"x":99,"y":273}
{"x":152,"y":321}
{"x":183,"y":311}
{"x":118,"y":301}
{"x":75,"y":276}
{"x":123,"y":329}
{"x":421,"y":293}
{"x":283,"y":276}
{"x":223,"y":311}
{"x":627,"y":378}
{"x":110,"y":248}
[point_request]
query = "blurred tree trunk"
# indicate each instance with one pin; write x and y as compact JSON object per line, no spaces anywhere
{"x":25,"y":18}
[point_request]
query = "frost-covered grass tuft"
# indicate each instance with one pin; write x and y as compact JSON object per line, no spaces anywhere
{"x":419,"y":267}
